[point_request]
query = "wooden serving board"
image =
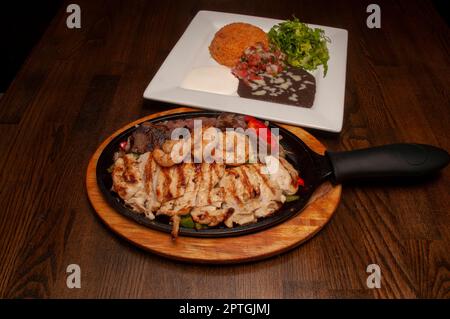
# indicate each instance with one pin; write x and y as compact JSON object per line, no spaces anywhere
{"x":255,"y":246}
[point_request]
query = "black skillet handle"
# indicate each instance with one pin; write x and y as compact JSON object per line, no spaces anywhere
{"x":394,"y":160}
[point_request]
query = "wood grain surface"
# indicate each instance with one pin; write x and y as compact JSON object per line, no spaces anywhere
{"x":78,"y":86}
{"x":270,"y":242}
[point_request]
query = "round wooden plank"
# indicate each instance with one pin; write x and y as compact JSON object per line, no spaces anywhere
{"x":272,"y":241}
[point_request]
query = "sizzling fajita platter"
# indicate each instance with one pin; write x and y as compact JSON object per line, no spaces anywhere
{"x":210,"y":180}
{"x":204,"y":212}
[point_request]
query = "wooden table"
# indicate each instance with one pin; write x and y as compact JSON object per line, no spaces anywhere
{"x":80,"y":85}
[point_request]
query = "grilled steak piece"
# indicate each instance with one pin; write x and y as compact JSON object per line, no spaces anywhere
{"x":230,"y":120}
{"x":148,"y":136}
{"x":189,"y":123}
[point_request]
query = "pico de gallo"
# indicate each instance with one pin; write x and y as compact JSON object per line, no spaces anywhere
{"x":257,"y":60}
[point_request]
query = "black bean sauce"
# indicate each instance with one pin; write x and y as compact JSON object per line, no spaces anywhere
{"x":293,"y":86}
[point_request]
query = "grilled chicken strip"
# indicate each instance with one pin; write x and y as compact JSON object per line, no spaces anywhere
{"x":200,"y":189}
{"x":252,"y":194}
{"x":210,"y":192}
{"x":129,"y":181}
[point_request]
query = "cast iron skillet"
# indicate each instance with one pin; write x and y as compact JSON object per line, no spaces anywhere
{"x":395,"y":160}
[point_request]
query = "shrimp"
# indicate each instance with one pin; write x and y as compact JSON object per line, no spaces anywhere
{"x":235,"y":148}
{"x":163,"y":159}
{"x":172,"y":152}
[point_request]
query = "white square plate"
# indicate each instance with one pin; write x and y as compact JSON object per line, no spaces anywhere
{"x":191,"y":51}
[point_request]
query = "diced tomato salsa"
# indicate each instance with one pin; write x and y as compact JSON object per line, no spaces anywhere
{"x":257,"y":60}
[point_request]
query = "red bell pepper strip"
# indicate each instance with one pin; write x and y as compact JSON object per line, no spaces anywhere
{"x":261,"y":130}
{"x":123,"y":145}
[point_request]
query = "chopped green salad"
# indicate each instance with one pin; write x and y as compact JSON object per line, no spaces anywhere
{"x":304,"y":47}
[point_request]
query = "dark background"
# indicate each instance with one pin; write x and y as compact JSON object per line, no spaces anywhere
{"x":22,"y":24}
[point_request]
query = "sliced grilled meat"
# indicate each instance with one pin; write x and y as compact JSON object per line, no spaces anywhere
{"x":212,"y":193}
{"x":148,"y":136}
{"x":129,"y":181}
{"x":230,"y":120}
